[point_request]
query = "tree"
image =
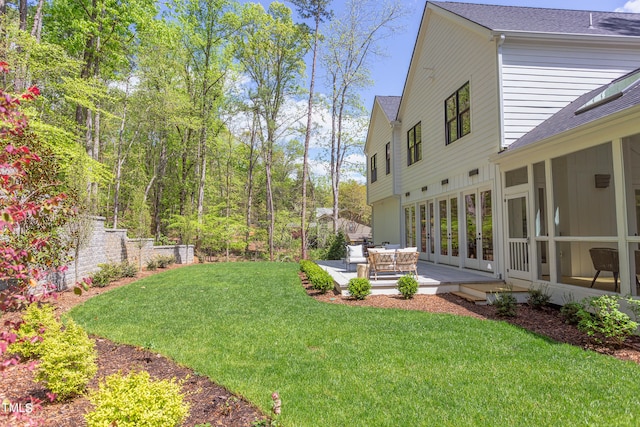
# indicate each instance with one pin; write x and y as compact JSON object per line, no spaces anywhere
{"x":353,"y":42}
{"x":317,"y":10}
{"x":99,"y":33}
{"x":31,"y":213}
{"x":270,"y":49}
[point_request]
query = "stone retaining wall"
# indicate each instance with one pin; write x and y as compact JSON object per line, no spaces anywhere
{"x":113,"y":246}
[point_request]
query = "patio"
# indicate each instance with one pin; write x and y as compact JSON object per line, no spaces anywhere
{"x":432,"y":278}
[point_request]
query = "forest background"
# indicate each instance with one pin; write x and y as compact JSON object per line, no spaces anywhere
{"x":191,"y":121}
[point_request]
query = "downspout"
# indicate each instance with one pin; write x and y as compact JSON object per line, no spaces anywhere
{"x":396,"y":171}
{"x":499,"y":267}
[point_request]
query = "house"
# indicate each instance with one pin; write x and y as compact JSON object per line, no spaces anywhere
{"x":496,"y":155}
{"x":354,"y":231}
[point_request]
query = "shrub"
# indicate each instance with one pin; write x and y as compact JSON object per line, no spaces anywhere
{"x":539,"y":298}
{"x":108,"y":273}
{"x":606,"y":320}
{"x":37,"y":322}
{"x":570,"y":311}
{"x":152,"y":264}
{"x":408,"y":286}
{"x":505,"y":303}
{"x":135,"y":400}
{"x":359,"y":288}
{"x":337,"y":249}
{"x":67,"y":361}
{"x":165,"y":260}
{"x":128,"y":269}
{"x":320,"y":279}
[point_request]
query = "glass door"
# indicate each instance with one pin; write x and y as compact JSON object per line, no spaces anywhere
{"x":427,"y":232}
{"x":449,"y":231}
{"x":518,"y":237}
{"x":478,"y":234}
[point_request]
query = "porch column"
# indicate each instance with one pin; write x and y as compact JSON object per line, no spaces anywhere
{"x":621,"y":216}
{"x":551,"y":222}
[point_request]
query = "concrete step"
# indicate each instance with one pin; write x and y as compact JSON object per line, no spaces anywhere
{"x":486,"y":293}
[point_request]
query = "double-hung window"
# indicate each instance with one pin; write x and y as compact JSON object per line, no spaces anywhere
{"x":414,"y":144}
{"x":457,"y":110}
{"x":388,"y":158}
{"x":374,"y":168}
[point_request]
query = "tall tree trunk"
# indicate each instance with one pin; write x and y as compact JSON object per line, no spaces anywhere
{"x":161,"y":171}
{"x":249,"y":185}
{"x":307,"y":140}
{"x":22,"y":6}
{"x":36,"y":31}
{"x":270,"y":207}
{"x":120,"y":158}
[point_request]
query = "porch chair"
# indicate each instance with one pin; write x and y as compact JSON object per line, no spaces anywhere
{"x":605,"y":259}
{"x":355,"y":255}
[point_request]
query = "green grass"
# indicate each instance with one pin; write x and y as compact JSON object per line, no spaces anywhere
{"x":251,"y":328}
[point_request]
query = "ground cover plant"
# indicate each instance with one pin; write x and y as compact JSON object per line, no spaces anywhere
{"x":252,"y":328}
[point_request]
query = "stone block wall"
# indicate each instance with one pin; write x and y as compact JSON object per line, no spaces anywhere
{"x":113,"y":246}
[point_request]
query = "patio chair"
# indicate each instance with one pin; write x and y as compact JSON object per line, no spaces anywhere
{"x":407,"y":262}
{"x":605,"y":259}
{"x":382,"y":261}
{"x":355,"y":255}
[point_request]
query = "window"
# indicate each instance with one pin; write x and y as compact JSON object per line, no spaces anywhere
{"x":388,"y":158}
{"x":414,"y":144}
{"x":374,"y":168}
{"x":458,"y":114}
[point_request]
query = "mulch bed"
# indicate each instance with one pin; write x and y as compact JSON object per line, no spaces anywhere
{"x":213,"y":404}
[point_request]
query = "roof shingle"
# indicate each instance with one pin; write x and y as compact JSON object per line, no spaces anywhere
{"x":543,"y":20}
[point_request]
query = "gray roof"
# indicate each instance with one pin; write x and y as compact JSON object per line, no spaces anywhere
{"x":542,"y":20}
{"x":567,"y":119}
{"x":390,"y":106}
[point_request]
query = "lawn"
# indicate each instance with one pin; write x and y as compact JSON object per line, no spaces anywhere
{"x":252,"y":328}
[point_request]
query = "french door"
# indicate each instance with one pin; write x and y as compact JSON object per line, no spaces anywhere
{"x":427,"y":245}
{"x":449,"y":231}
{"x":478,"y":213}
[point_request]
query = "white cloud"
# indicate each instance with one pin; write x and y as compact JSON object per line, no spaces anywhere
{"x":632,"y":6}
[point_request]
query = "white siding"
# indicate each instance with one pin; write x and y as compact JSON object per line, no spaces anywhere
{"x":378,"y":137}
{"x":539,"y":79}
{"x":386,"y":221}
{"x":447,"y":57}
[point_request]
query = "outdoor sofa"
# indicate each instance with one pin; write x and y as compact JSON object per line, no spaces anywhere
{"x":395,"y":261}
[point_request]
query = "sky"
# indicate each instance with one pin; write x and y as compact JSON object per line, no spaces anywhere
{"x":388,"y":73}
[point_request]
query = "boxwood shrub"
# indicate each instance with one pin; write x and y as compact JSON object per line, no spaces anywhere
{"x":359,"y":288}
{"x":320,"y":279}
{"x":407,"y":286}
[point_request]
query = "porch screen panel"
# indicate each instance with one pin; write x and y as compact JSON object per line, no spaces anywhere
{"x":518,"y":236}
{"x":584,"y":193}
